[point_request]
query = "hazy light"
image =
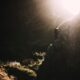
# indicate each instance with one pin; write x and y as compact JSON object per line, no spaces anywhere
{"x":65,"y":7}
{"x":59,"y":8}
{"x":72,"y":6}
{"x":56,"y":12}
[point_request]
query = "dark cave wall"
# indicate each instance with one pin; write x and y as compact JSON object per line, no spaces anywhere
{"x":22,"y":31}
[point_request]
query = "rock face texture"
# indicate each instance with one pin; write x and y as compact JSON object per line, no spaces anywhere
{"x":22,"y":71}
{"x":4,"y":75}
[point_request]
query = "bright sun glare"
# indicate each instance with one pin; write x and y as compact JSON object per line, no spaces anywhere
{"x":72,"y":6}
{"x":65,"y":7}
{"x":58,"y":10}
